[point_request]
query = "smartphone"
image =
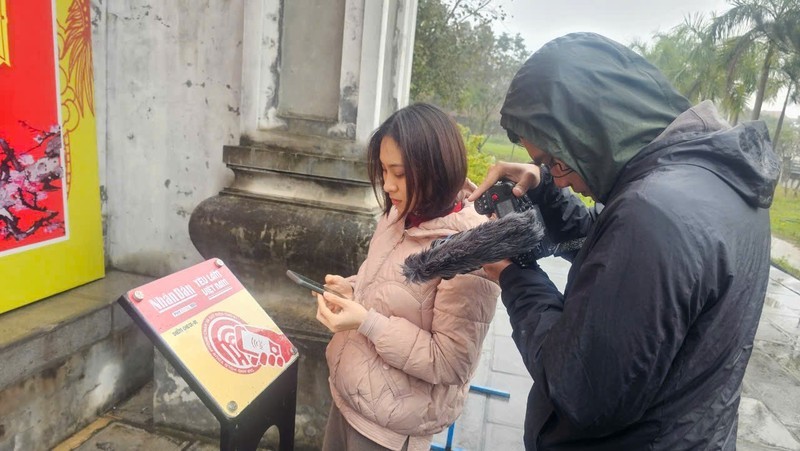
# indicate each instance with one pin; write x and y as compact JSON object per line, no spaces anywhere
{"x":310,"y":284}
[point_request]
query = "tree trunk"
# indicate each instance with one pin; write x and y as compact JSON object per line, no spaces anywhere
{"x":780,"y":119}
{"x":762,"y":82}
{"x":483,"y":124}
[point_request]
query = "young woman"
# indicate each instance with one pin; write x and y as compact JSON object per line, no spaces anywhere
{"x":402,"y":355}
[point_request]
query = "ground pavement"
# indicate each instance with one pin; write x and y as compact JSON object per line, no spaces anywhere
{"x":784,"y":250}
{"x":769,"y":413}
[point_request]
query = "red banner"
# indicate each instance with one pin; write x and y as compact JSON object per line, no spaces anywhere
{"x":32,"y":191}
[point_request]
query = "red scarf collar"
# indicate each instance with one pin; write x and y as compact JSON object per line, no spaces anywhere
{"x":413,"y":220}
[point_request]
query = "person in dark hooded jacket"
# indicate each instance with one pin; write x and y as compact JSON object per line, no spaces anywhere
{"x":647,"y":347}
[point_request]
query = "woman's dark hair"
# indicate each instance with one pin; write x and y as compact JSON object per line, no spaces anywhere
{"x":434,"y":157}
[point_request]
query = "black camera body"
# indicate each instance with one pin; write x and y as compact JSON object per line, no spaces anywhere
{"x":500,"y":200}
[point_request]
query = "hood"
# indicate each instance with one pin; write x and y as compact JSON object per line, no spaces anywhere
{"x":741,"y":156}
{"x":592,"y":103}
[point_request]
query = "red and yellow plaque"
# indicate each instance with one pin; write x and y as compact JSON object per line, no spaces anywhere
{"x":213,"y":325}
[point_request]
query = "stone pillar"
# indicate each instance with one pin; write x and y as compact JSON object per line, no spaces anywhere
{"x":318,"y":77}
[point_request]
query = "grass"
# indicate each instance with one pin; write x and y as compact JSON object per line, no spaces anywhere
{"x":503,"y":150}
{"x":784,"y":218}
{"x":785,"y":266}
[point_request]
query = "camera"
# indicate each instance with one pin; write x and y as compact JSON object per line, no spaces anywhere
{"x":500,"y":200}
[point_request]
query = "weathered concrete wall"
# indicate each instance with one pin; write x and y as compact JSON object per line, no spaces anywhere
{"x":168,"y":79}
{"x":179,"y":81}
{"x":65,"y":360}
{"x":41,"y":410}
{"x":309,"y":59}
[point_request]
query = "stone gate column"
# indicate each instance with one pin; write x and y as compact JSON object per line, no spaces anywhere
{"x":318,"y":77}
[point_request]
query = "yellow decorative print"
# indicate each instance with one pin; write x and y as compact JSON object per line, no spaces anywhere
{"x":5,"y":58}
{"x":76,"y":54}
{"x":77,"y":79}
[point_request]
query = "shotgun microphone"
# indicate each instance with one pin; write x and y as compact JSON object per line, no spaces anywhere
{"x":512,"y":235}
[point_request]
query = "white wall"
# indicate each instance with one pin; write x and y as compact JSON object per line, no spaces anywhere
{"x":167,"y":83}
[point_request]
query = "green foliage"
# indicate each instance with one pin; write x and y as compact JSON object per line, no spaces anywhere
{"x":494,"y":64}
{"x":438,"y":59}
{"x":459,"y":62}
{"x":702,"y":70}
{"x":790,"y":75}
{"x":769,"y":26}
{"x":751,"y":49}
{"x":788,"y":145}
{"x":686,"y":57}
{"x":478,"y":163}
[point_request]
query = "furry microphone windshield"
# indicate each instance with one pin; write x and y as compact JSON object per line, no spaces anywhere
{"x":492,"y":241}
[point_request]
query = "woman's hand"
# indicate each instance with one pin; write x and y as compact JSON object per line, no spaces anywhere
{"x":526,"y":175}
{"x":340,"y":285}
{"x":339,"y":314}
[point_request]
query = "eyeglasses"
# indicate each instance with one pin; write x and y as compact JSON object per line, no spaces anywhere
{"x":552,"y":163}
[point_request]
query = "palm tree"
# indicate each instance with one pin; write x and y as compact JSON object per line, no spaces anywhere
{"x":686,"y":57}
{"x":791,"y":70}
{"x":739,"y":80}
{"x":772,"y":23}
{"x":697,"y":68}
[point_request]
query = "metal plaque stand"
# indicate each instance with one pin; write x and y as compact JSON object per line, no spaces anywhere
{"x":274,"y":406}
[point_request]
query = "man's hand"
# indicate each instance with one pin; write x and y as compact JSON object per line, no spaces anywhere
{"x":493,"y":270}
{"x":469,"y":186}
{"x":526,"y":175}
{"x":339,"y":314}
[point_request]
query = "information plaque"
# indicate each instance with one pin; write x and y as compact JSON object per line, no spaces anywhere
{"x":226,"y":347}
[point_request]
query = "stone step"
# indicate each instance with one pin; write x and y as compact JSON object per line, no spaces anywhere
{"x":67,"y":359}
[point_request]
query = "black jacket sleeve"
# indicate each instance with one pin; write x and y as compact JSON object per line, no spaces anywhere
{"x":533,"y":304}
{"x":601,"y":353}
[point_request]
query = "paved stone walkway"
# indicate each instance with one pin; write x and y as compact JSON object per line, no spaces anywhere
{"x":784,"y":250}
{"x":769,"y":414}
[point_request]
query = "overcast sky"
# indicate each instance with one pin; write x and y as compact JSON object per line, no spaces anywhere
{"x":539,"y":21}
